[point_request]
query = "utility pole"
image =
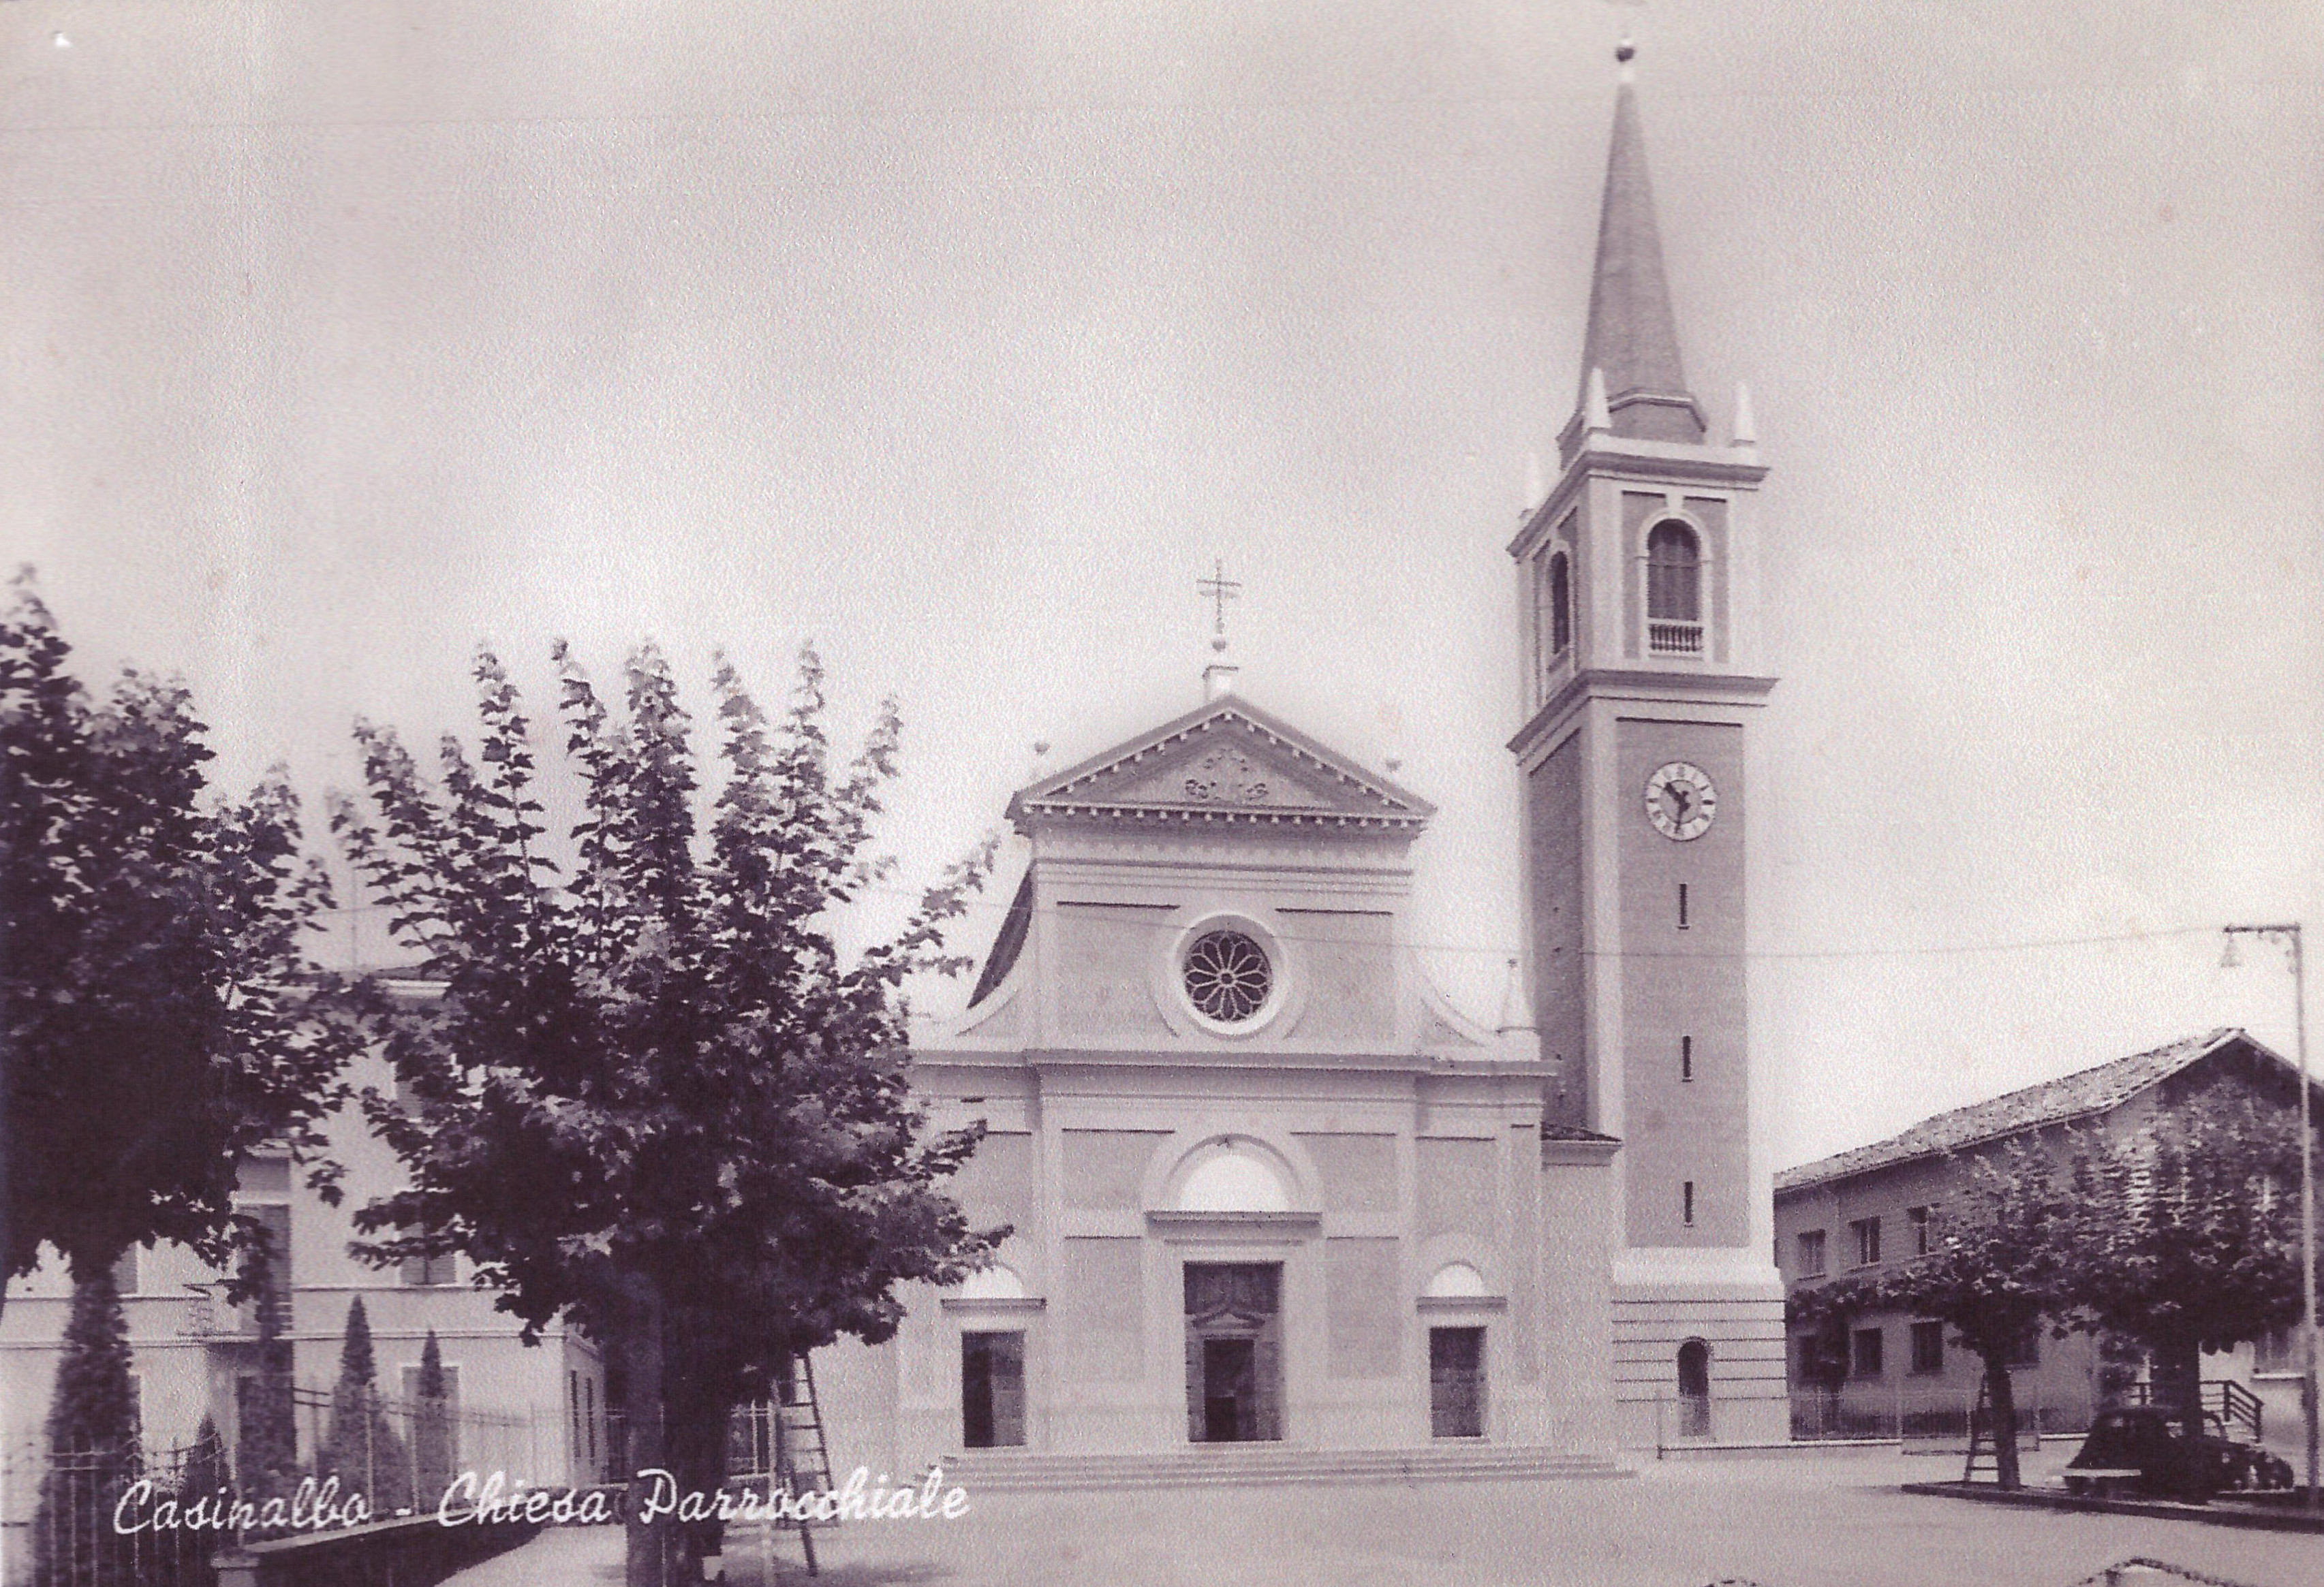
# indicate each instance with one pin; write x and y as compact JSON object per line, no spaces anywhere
{"x":2289,"y":936}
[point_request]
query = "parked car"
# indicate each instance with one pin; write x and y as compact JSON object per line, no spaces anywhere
{"x":2145,"y":1450}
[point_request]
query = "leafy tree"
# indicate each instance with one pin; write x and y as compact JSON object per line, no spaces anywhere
{"x":433,"y":1454}
{"x":361,"y":1448}
{"x":2186,"y":1234}
{"x":92,"y":1441}
{"x":156,"y":1011}
{"x":654,"y":1098}
{"x":1995,"y":1271}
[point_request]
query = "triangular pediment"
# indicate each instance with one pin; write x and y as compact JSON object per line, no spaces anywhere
{"x":1227,"y":762}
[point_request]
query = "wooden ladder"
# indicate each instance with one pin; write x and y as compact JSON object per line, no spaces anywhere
{"x":802,"y":1456}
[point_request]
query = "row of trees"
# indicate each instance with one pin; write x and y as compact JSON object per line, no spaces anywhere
{"x":2179,"y":1238}
{"x":654,"y":1098}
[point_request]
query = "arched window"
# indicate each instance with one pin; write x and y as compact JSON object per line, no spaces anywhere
{"x":1674,"y":590}
{"x":1230,"y":1178}
{"x":1455,"y":1280}
{"x":998,"y":1283}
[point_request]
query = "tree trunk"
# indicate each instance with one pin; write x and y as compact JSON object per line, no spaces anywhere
{"x":698,"y":1435}
{"x":2178,"y":1379}
{"x":642,"y":1360}
{"x":2001,"y":1414}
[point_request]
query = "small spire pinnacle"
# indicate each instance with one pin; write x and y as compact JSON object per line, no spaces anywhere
{"x":1595,"y":415}
{"x":1746,"y":429}
{"x":1513,"y":1009}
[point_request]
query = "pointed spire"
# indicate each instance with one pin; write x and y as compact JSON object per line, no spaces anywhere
{"x":1633,"y":337}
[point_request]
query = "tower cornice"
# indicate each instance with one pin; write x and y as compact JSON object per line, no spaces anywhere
{"x":1643,"y":686}
{"x":1625,"y":460}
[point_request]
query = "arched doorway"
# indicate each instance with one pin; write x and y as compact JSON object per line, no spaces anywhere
{"x":1694,"y":1390}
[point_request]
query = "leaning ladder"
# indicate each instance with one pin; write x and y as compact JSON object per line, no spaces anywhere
{"x":1983,"y":1450}
{"x":802,"y":1458}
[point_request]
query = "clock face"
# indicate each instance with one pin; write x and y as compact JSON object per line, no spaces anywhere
{"x":1681,"y":800}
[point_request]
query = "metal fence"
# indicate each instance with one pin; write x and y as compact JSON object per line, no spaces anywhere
{"x":403,"y":1454}
{"x":76,"y":1533}
{"x":1930,"y":1422}
{"x":94,"y":1517}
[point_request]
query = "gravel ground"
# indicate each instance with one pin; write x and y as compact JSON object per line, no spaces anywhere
{"x":1815,"y":1520}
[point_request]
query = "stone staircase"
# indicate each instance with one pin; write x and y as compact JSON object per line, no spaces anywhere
{"x":1252,"y":1466}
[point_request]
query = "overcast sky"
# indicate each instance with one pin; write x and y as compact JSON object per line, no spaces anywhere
{"x":961,"y":335}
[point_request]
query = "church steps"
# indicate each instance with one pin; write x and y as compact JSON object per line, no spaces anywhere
{"x":1244,"y":1466}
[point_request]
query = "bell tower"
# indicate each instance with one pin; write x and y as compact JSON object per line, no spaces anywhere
{"x":1642,"y":673}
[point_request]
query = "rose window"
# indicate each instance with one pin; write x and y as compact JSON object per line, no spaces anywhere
{"x":1228,"y":976}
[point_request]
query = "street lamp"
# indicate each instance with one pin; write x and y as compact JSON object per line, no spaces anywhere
{"x":2289,"y":936}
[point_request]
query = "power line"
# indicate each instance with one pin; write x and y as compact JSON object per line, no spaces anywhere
{"x":1932,"y":950}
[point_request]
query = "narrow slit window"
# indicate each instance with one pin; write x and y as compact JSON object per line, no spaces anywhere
{"x":1682,"y":906}
{"x":1686,"y":1203}
{"x":1686,"y":1058}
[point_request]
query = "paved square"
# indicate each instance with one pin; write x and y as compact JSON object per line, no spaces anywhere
{"x":1807,"y":1520}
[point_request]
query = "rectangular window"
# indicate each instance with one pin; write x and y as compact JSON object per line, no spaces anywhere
{"x":1686,"y":1203}
{"x":419,"y":1270}
{"x":1456,"y":1383}
{"x":2277,"y":1351}
{"x":1811,"y":1253}
{"x":2027,"y":1351}
{"x":1686,"y":1058}
{"x":1916,"y":1219}
{"x":589,"y":1417}
{"x":1682,"y":906}
{"x":992,"y":1390}
{"x":1928,"y":1348}
{"x":1865,"y":1351}
{"x":125,"y":1273}
{"x":1867,"y":1240}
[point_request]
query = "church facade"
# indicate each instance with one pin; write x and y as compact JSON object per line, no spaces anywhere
{"x":1265,"y":1184}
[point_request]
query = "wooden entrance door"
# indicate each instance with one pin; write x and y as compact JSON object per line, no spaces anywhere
{"x":991,"y":1390}
{"x":1230,"y":1391}
{"x":1456,"y":1383}
{"x":1694,"y":1390}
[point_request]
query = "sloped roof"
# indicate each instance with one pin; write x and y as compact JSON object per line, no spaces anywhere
{"x":2079,"y":1095}
{"x":1556,"y":1131}
{"x":1008,"y":943}
{"x":1224,"y":762}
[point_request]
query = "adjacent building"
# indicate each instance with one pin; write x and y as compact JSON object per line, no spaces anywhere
{"x":539,"y":1411}
{"x":1875,"y":1207}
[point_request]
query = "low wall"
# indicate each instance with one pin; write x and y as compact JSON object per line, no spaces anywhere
{"x":413,"y":1552}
